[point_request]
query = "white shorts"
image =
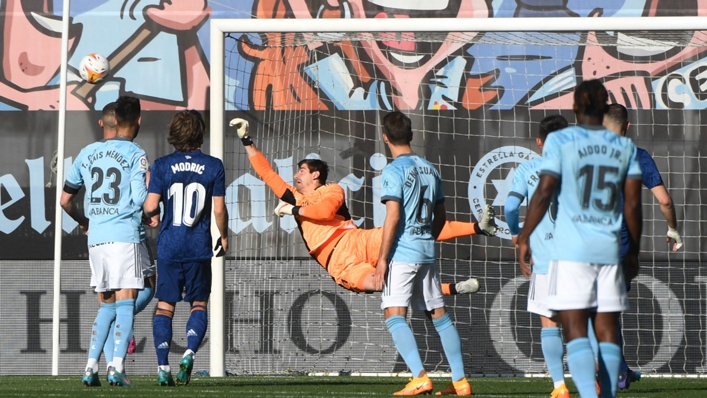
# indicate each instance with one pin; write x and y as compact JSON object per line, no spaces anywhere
{"x":538,"y":291}
{"x":147,"y":262}
{"x":575,"y":286}
{"x":412,"y":284}
{"x":117,"y":265}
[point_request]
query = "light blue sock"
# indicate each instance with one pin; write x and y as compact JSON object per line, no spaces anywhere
{"x":124,"y":317}
{"x":101,"y":329}
{"x":196,"y":327}
{"x":610,"y":357}
{"x":144,"y":297}
{"x":593,"y":342}
{"x":405,"y":343}
{"x":452,"y":345}
{"x":553,"y":350}
{"x":580,"y":360}
{"x":109,"y":346}
{"x":624,"y":366}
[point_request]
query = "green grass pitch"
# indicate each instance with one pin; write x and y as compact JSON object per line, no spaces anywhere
{"x":284,"y":386}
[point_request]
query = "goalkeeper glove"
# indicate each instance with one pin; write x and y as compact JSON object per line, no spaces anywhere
{"x":242,"y":130}
{"x":675,"y":235}
{"x":487,"y":225}
{"x":285,"y":208}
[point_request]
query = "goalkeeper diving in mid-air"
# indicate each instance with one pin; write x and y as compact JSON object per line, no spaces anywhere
{"x":347,"y":253}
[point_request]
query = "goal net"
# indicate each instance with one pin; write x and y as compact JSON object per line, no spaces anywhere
{"x":475,"y":99}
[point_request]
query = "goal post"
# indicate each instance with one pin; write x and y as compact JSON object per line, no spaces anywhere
{"x":284,"y":315}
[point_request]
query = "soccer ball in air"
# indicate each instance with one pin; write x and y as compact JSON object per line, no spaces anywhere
{"x":93,"y":68}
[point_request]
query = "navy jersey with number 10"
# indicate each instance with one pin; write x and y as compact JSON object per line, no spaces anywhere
{"x":187,"y":182}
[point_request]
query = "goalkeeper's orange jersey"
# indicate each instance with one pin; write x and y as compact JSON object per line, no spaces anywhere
{"x":327,"y":214}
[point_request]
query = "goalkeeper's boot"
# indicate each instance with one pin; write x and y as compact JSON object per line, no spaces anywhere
{"x":468,"y":286}
{"x":185,"y":367}
{"x":560,"y":392}
{"x":417,"y":386}
{"x":119,"y":379}
{"x":164,"y":378}
{"x":461,"y":388}
{"x":487,"y":224}
{"x":91,"y":379}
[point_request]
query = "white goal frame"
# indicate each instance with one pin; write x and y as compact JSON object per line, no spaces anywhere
{"x":217,"y":69}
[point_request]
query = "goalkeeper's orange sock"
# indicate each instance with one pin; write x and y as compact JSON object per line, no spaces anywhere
{"x":449,"y":289}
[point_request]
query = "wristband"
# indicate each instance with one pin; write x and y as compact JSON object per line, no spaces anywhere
{"x":477,"y":229}
{"x":295,"y":210}
{"x":247,"y":141}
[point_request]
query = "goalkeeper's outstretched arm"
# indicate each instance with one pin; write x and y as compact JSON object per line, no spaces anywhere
{"x":260,"y":163}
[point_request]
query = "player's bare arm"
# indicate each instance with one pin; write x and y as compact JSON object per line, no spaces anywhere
{"x":634,"y":223}
{"x":221,"y":216}
{"x":151,"y":207}
{"x":392,"y":218}
{"x":536,"y":211}
{"x":66,"y":202}
{"x":439,"y":220}
{"x":667,"y":207}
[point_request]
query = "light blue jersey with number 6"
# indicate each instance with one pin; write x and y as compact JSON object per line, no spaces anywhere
{"x":414,"y":183}
{"x":592,"y":164}
{"x":114,"y":174}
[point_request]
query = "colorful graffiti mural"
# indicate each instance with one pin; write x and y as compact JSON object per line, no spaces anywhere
{"x":159,"y":52}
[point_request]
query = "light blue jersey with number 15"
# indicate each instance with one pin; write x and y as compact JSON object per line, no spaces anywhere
{"x":416,"y":185}
{"x":592,"y":164}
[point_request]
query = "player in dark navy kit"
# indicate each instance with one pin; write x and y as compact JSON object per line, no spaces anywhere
{"x":186,"y":182}
{"x":616,"y":120}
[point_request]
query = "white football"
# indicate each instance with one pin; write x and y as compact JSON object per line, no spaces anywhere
{"x":94,"y":67}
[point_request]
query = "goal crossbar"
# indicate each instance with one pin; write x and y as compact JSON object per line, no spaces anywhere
{"x":562,"y":24}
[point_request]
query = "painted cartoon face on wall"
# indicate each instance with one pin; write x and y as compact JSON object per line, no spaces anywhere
{"x":31,"y":42}
{"x":403,"y":62}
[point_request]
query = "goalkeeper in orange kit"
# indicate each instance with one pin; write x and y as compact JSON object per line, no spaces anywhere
{"x":347,"y":253}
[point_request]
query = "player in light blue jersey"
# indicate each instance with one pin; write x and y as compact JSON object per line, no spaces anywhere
{"x":80,"y":172}
{"x":115,"y":180}
{"x":590,"y":167}
{"x":407,"y":269}
{"x":525,"y":181}
{"x":186,"y":181}
{"x":616,"y":120}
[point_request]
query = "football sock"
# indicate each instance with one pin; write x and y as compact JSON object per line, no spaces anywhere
{"x":452,"y":345}
{"x":405,"y":343}
{"x":162,"y":334}
{"x":101,"y":330}
{"x":610,"y":358}
{"x":580,"y":360}
{"x":196,"y":327}
{"x":93,"y":364}
{"x":166,"y":368}
{"x":109,"y":346}
{"x":593,"y":342}
{"x":144,"y":297}
{"x":449,"y":289}
{"x":620,"y":338}
{"x":553,"y":350}
{"x":124,"y":317}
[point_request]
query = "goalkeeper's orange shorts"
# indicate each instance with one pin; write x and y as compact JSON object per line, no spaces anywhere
{"x":354,"y":257}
